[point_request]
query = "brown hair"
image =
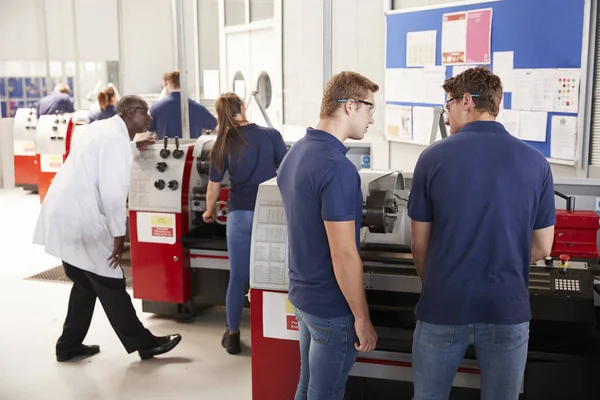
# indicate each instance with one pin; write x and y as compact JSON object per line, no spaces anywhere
{"x":229,"y":136}
{"x":105,"y":97}
{"x":173,"y":78}
{"x":478,"y":81}
{"x":343,"y":86}
{"x":62,"y":88}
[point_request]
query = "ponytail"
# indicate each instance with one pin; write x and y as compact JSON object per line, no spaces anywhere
{"x":105,"y":97}
{"x":102,"y":100}
{"x":229,"y":136}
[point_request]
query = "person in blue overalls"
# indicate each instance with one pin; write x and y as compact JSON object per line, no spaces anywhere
{"x":57,"y":101}
{"x":251,"y":154}
{"x":107,"y":100}
{"x":166,"y":113}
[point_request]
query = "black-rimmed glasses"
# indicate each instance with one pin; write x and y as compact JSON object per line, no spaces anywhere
{"x":371,"y":105}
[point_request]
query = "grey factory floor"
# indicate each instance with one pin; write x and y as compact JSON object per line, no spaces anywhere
{"x":32,"y":313}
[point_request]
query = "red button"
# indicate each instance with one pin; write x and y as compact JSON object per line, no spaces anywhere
{"x":565,"y":257}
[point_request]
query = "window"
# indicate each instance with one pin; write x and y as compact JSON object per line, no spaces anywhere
{"x":239,"y":85}
{"x":235,"y":12}
{"x":261,"y":9}
{"x":264,"y":89}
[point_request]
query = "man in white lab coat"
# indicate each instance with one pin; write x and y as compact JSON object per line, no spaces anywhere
{"x":83,"y":222}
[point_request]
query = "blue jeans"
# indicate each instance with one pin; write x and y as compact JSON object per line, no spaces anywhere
{"x":327,"y":355}
{"x":439,"y":349}
{"x":239,"y":233}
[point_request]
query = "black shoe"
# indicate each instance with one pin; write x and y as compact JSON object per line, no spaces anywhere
{"x":81,"y":350}
{"x":231,"y":342}
{"x":165,"y":344}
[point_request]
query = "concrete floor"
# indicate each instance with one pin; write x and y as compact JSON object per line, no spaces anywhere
{"x":32,"y":314}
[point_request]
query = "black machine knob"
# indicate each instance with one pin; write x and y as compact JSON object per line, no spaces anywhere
{"x":55,"y":128}
{"x":161,"y":166}
{"x":27,"y":127}
{"x":29,"y":119}
{"x":56,"y":121}
{"x":178,"y":153}
{"x":159,"y":184}
{"x":164,"y":153}
{"x":173,"y":185}
{"x":548,"y":261}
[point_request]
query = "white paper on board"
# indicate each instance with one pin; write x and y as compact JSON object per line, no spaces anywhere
{"x":563,"y":140}
{"x":533,"y":126}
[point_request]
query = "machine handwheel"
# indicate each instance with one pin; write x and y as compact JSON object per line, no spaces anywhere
{"x":221,"y":217}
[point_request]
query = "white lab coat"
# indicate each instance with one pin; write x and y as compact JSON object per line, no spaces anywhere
{"x":85,"y":207}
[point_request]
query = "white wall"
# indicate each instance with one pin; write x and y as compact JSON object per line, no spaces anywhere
{"x":22,"y":31}
{"x":148,"y":46}
{"x":358,"y":29}
{"x":23,"y":21}
{"x":302,"y":61}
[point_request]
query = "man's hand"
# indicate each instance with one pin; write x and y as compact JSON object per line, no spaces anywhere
{"x":367,"y":338}
{"x":115,"y":257}
{"x":144,"y":139}
{"x":209,"y":216}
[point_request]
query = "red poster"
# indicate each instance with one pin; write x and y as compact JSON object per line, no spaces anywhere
{"x":479,"y":35}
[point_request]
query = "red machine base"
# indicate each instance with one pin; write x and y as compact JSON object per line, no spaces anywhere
{"x":26,"y":171}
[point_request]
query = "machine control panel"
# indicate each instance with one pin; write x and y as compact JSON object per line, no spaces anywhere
{"x":560,"y":276}
{"x":52,"y":134}
{"x":24,"y":132}
{"x":156,"y":177}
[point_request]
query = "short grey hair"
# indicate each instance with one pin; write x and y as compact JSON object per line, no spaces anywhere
{"x":130,"y":101}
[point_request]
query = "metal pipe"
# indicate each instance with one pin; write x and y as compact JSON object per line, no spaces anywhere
{"x":179,"y":25}
{"x":76,"y":78}
{"x":46,"y":46}
{"x":327,"y":40}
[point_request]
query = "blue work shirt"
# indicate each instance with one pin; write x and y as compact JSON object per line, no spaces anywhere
{"x":317,"y":183}
{"x":100,"y":114}
{"x":166,"y":117}
{"x":484,"y":191}
{"x":257,"y":163}
{"x":54,"y":102}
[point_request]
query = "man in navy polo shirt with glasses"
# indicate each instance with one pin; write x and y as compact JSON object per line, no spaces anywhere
{"x":482,"y":209}
{"x":323,"y":202}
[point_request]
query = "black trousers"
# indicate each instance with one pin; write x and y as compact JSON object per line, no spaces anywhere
{"x":116,"y":303}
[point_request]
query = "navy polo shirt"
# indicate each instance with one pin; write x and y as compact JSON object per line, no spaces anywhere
{"x":54,"y":102}
{"x":317,"y":183}
{"x":100,"y":114}
{"x":484,"y":191}
{"x":166,"y":117}
{"x":257,"y":163}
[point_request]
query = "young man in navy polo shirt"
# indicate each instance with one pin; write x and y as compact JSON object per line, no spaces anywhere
{"x":166,"y":113}
{"x":323,"y":202}
{"x":482,"y":209}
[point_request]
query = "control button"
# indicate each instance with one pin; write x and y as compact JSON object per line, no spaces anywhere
{"x":173,"y":185}
{"x":161,"y":166}
{"x":55,"y":128}
{"x":159,"y":184}
{"x":565,"y":258}
{"x":56,"y":121}
{"x":548,"y":261}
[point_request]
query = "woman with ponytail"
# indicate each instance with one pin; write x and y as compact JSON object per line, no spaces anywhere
{"x":251,"y":155}
{"x":107,"y":101}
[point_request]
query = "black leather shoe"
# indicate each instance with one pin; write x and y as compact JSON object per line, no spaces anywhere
{"x":165,"y":344}
{"x":81,"y":350}
{"x":231,"y":342}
